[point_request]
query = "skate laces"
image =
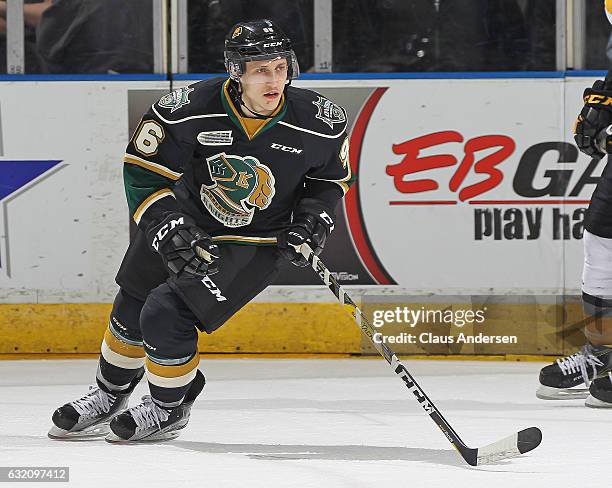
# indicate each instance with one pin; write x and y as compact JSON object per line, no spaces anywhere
{"x":148,"y":413}
{"x":96,"y":402}
{"x":579,"y":362}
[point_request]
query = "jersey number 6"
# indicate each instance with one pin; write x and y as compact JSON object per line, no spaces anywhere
{"x":148,"y":136}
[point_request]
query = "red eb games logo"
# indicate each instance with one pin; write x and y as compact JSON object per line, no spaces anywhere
{"x":413,"y":163}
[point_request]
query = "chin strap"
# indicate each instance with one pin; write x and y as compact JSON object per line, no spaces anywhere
{"x":236,"y":96}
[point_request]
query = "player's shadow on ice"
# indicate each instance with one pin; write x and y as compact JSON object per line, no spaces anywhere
{"x":283,"y":452}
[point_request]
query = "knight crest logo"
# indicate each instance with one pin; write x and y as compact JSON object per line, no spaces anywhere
{"x":240,"y":186}
{"x":176,"y":99}
{"x":329,"y":112}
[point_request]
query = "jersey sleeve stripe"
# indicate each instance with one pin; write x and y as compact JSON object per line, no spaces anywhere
{"x":150,"y":200}
{"x":154,"y":167}
{"x":342,"y":182}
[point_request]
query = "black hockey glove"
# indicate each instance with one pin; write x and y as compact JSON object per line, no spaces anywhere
{"x":592,"y":129}
{"x":313,"y":224}
{"x":184,"y":247}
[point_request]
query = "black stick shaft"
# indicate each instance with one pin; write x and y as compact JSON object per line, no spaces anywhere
{"x":426,"y":404}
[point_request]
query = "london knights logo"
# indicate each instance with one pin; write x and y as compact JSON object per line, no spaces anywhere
{"x":240,"y":186}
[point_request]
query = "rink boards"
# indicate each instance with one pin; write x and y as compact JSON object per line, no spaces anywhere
{"x":467,"y":188}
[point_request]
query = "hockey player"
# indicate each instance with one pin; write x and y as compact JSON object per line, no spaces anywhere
{"x":592,"y":366}
{"x":223,"y":178}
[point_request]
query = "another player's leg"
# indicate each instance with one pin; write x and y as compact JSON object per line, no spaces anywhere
{"x":120,"y":368}
{"x":597,"y":300}
{"x":172,"y":359}
{"x":590,"y":367}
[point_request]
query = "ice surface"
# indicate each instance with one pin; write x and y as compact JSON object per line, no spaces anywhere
{"x":315,"y":423}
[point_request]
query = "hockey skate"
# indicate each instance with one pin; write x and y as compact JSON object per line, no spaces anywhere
{"x":90,"y":415}
{"x":565,"y":378}
{"x":600,"y":392}
{"x":149,"y":422}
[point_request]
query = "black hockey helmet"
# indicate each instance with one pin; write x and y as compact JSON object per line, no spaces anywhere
{"x":258,"y":40}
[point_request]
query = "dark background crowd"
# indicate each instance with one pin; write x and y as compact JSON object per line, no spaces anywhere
{"x":116,"y":36}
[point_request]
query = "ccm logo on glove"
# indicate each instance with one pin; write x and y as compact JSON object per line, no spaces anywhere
{"x":184,"y":247}
{"x":328,"y":220}
{"x":163,"y":231}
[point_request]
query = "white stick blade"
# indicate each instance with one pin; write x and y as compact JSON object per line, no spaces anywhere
{"x":503,"y":449}
{"x":514,"y":445}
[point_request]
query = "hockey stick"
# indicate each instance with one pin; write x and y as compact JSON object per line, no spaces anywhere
{"x":514,"y":445}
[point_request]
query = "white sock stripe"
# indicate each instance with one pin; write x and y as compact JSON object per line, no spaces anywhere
{"x":175,"y":382}
{"x":120,"y":361}
{"x":169,"y":404}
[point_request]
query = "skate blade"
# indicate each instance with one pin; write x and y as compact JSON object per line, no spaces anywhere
{"x":157,"y":437}
{"x":93,"y":432}
{"x":593,"y":402}
{"x":550,"y":393}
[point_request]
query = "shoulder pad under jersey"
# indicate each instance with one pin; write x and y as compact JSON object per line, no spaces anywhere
{"x":315,"y":113}
{"x":198,"y":99}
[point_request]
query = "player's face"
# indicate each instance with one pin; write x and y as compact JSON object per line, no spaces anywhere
{"x":263,"y":83}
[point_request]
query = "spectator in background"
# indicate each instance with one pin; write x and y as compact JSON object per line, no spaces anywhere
{"x":97,"y":36}
{"x":32,"y":13}
{"x":209,"y":21}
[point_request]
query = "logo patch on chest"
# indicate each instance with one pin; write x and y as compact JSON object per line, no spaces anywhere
{"x":329,"y":112}
{"x":176,"y":99}
{"x":216,"y":138}
{"x":240,"y":186}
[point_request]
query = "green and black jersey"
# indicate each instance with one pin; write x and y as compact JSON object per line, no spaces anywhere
{"x":239,"y":178}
